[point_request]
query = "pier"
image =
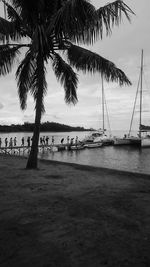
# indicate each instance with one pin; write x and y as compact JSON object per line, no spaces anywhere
{"x":21,"y":150}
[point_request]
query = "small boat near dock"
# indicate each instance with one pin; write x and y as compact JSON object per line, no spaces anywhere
{"x":76,"y":147}
{"x":93,"y":145}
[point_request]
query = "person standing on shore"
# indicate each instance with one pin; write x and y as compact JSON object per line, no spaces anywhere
{"x":76,"y":140}
{"x":47,"y":138}
{"x":28,"y":141}
{"x":43,"y":140}
{"x":53,"y":140}
{"x":62,"y":140}
{"x":15,"y":141}
{"x":22,"y":141}
{"x":68,"y":139}
{"x":71,"y":141}
{"x":6,"y":142}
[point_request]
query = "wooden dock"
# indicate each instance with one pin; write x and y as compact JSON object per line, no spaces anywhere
{"x":21,"y":150}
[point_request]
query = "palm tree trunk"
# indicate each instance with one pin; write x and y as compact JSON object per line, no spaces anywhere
{"x":32,"y":162}
{"x":33,"y":157}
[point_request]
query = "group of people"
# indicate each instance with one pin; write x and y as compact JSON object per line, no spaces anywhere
{"x":44,"y":140}
{"x":12,"y":142}
{"x":9,"y":143}
{"x":70,"y":141}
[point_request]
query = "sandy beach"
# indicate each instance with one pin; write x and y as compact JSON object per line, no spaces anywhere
{"x":68,"y":215}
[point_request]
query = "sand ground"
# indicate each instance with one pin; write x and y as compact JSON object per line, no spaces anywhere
{"x":67,"y":215}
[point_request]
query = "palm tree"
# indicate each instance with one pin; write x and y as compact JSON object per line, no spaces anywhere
{"x":45,"y":29}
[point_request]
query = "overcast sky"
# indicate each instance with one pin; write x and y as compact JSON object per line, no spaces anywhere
{"x":123,"y":48}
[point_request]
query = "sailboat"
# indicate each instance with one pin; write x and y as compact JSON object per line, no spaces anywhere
{"x":100,"y":136}
{"x":143,"y":138}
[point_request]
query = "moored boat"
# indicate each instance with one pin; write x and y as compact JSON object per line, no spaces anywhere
{"x":127,"y":140}
{"x":118,"y":141}
{"x":93,"y":145}
{"x":106,"y":140}
{"x":76,"y":147}
{"x":142,"y":139}
{"x":101,"y":135}
{"x":96,"y":135}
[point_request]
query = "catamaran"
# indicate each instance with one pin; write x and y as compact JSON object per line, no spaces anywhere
{"x":143,"y":138}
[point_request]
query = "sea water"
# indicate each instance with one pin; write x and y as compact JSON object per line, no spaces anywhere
{"x":127,"y":158}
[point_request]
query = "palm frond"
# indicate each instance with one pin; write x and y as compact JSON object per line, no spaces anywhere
{"x":67,"y":78}
{"x":80,"y":22}
{"x":111,"y":14}
{"x":9,"y":30}
{"x":12,"y":14}
{"x":24,"y":76}
{"x":87,"y":61}
{"x":7,"y":58}
{"x":19,"y":26}
{"x":71,"y":18}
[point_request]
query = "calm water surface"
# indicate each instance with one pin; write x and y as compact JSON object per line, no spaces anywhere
{"x":122,"y":158}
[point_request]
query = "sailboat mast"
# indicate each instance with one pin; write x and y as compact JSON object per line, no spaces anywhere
{"x":103,"y":103}
{"x":4,"y":9}
{"x":141,"y":91}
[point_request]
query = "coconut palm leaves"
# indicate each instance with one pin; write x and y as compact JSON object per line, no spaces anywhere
{"x":43,"y":29}
{"x":85,"y":60}
{"x":110,"y":15}
{"x":78,"y":13}
{"x":86,"y":23}
{"x":24,"y":76}
{"x":67,"y":77}
{"x":7,"y":58}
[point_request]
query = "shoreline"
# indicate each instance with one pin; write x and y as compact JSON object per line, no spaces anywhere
{"x":86,"y":167}
{"x":71,"y":215}
{"x":90,"y":167}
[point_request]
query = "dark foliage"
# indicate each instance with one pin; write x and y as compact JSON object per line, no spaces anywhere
{"x":45,"y":127}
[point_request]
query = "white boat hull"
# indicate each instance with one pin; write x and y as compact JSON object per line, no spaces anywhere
{"x":145,"y":142}
{"x":93,"y":145}
{"x":104,"y":140}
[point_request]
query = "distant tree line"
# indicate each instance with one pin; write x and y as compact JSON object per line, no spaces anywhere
{"x":45,"y":127}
